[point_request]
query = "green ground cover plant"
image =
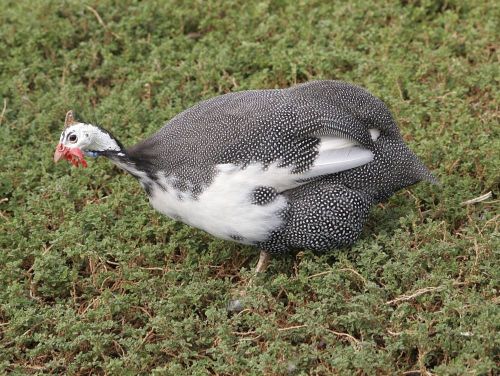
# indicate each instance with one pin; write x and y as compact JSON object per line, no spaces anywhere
{"x":94,"y":281}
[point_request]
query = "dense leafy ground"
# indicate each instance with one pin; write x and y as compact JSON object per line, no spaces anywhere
{"x":93,"y":281}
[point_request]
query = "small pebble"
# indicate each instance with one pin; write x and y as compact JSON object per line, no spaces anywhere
{"x":235,"y":305}
{"x":321,"y":345}
{"x":291,"y":367}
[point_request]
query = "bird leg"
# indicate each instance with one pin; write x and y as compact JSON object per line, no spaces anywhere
{"x":237,"y":304}
{"x":264,"y":259}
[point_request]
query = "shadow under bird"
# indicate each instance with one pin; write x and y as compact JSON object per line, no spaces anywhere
{"x":282,"y":169}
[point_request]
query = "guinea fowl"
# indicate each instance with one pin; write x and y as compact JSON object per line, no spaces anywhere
{"x":281,"y":169}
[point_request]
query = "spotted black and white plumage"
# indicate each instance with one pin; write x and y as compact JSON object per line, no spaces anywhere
{"x":320,"y":216}
{"x":280,"y":169}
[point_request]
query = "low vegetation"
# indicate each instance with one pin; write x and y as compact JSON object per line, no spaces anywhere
{"x":93,"y":281}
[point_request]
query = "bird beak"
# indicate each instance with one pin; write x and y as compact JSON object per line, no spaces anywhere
{"x":59,"y":153}
{"x":73,"y":155}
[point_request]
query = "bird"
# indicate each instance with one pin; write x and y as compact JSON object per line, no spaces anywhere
{"x":279,"y":169}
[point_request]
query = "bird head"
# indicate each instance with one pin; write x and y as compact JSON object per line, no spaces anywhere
{"x":81,"y":139}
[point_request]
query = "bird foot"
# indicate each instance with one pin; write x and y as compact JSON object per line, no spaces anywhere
{"x":236,"y":304}
{"x":263,"y":263}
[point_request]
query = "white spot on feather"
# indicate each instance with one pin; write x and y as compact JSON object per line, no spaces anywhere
{"x":374,"y":133}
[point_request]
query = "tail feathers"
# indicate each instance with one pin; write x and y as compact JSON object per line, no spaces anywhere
{"x":404,"y":171}
{"x":429,"y":177}
{"x":420,"y":172}
{"x":395,"y":167}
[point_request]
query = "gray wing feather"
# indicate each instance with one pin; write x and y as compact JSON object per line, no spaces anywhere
{"x":263,"y":126}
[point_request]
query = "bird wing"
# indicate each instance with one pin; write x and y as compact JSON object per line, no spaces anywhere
{"x":335,"y":155}
{"x":314,"y":129}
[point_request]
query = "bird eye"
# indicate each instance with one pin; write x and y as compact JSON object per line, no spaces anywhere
{"x":72,"y":138}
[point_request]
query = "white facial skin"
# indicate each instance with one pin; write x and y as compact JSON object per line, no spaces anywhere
{"x":78,"y":135}
{"x":87,"y":137}
{"x":81,"y":138}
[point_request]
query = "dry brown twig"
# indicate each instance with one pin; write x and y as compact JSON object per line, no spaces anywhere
{"x":292,"y":327}
{"x":340,"y":270}
{"x":355,"y":273}
{"x":353,"y":340}
{"x":319,"y":274}
{"x":477,"y":199}
{"x":3,"y":110}
{"x":422,"y":291}
{"x":99,"y":19}
{"x":414,"y":295}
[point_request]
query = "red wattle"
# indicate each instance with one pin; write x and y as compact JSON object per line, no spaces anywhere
{"x":73,"y":155}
